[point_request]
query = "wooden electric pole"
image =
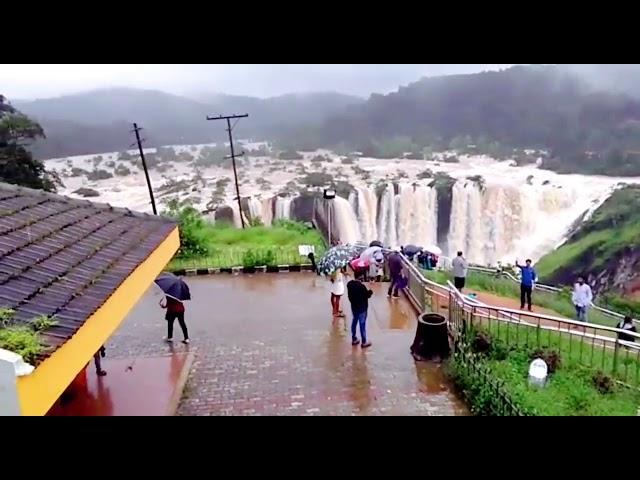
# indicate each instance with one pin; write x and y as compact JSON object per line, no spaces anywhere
{"x":233,"y":156}
{"x":137,"y":129}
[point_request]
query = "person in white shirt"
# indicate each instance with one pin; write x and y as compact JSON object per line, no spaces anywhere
{"x":582,"y":297}
{"x":337,"y":290}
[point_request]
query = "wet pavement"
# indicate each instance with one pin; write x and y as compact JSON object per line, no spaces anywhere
{"x":265,"y":344}
{"x":149,"y":386}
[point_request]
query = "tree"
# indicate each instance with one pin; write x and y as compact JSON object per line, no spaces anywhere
{"x":17,"y":165}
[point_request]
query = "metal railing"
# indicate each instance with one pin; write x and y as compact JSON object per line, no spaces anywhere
{"x":445,"y":264}
{"x":584,"y":344}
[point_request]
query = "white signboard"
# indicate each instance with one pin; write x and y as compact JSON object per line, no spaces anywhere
{"x":306,"y":250}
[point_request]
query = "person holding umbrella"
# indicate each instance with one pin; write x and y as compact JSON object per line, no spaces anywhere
{"x":176,"y":292}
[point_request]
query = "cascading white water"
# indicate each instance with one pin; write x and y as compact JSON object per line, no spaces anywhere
{"x":283,"y":207}
{"x":344,"y":222}
{"x":466,"y":230}
{"x":417,"y":215}
{"x":262,"y":209}
{"x":387,"y":217}
{"x":367,"y":209}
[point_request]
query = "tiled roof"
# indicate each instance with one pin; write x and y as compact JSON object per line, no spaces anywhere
{"x":65,"y":257}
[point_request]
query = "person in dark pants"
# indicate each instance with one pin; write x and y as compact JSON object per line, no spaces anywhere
{"x":527,"y":279}
{"x":175,"y":310}
{"x":627,"y":325}
{"x":395,"y":271}
{"x":97,"y":360}
{"x":459,"y":271}
{"x":359,"y":298}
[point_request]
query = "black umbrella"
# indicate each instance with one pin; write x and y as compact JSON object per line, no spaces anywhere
{"x":411,"y":250}
{"x":173,"y":286}
{"x":376,"y":243}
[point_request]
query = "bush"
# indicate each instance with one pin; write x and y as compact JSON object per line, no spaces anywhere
{"x":425,"y":174}
{"x":550,"y":357}
{"x":258,"y":258}
{"x":290,"y":155}
{"x":193,"y":240}
{"x":603,"y":383}
{"x":78,"y":172}
{"x":317,"y":179}
{"x":122,"y":170}
{"x":87,"y":192}
{"x":99,"y":175}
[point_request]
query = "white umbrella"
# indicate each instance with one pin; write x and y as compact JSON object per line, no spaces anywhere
{"x":371,"y":253}
{"x":433,"y":249}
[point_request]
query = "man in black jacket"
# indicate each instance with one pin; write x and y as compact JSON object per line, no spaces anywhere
{"x":359,"y":297}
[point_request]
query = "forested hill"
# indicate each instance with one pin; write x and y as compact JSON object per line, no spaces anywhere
{"x":100,"y":120}
{"x":539,"y":107}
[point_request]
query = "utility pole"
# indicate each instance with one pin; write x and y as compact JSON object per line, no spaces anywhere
{"x":233,"y":155}
{"x":137,"y":129}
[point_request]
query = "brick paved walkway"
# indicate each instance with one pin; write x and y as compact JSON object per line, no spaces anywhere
{"x":266,"y":345}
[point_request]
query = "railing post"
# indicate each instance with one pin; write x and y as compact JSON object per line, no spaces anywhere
{"x":616,"y":349}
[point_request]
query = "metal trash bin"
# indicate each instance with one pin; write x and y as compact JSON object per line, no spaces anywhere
{"x":432,"y":338}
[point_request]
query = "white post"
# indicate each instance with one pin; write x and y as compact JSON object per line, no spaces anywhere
{"x":11,"y":367}
{"x":329,"y":221}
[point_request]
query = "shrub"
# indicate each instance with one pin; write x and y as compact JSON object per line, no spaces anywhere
{"x":290,"y":155}
{"x":316,"y":179}
{"x":122,"y":170}
{"x":42,"y":322}
{"x":425,"y":174}
{"x":78,"y":172}
{"x":21,"y":340}
{"x":603,"y":383}
{"x":191,"y":226}
{"x":550,"y":357}
{"x":258,"y":258}
{"x":87,"y":192}
{"x":6,"y":315}
{"x":98,"y":175}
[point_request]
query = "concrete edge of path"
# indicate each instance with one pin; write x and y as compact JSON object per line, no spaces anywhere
{"x":234,"y":270}
{"x":174,"y":402}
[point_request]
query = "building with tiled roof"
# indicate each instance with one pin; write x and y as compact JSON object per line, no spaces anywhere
{"x":82,"y":264}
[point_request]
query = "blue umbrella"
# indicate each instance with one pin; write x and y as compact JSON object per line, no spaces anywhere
{"x":173,"y":286}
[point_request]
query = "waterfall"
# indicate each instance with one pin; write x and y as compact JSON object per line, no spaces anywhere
{"x":366,"y":210}
{"x":466,"y":228}
{"x":387,"y":217}
{"x":344,"y":222}
{"x":283,"y":207}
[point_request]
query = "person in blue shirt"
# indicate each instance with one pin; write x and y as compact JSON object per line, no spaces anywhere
{"x":527,"y":278}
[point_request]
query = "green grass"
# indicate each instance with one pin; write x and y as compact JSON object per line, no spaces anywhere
{"x":227,"y":246}
{"x":485,"y":282}
{"x":576,"y":352}
{"x":570,"y":390}
{"x":23,"y":339}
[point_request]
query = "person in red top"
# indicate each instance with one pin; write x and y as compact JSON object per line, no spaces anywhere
{"x":175,"y":309}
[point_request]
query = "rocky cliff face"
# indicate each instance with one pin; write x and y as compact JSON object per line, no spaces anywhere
{"x":605,"y":249}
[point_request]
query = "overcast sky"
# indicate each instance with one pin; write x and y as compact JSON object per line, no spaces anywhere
{"x":27,"y":81}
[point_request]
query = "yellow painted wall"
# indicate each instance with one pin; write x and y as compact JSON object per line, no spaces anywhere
{"x":40,"y":390}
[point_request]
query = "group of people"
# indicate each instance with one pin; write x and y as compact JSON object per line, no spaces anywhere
{"x":359,"y":294}
{"x":581,"y":297}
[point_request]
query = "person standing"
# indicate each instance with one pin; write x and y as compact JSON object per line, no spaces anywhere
{"x":459,"y":271}
{"x":97,"y":360}
{"x":581,"y":298}
{"x":359,"y":298}
{"x":175,"y":310}
{"x":395,"y":271}
{"x":528,"y":278}
{"x":337,"y":290}
{"x":627,"y":325}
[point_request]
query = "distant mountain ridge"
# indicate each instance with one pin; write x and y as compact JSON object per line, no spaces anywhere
{"x":89,"y":122}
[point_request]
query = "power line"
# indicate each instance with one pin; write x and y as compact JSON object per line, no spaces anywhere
{"x":139,"y":141}
{"x":228,"y":118}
